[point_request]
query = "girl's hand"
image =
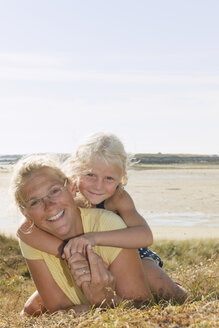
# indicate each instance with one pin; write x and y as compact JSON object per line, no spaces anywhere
{"x":79,"y":245}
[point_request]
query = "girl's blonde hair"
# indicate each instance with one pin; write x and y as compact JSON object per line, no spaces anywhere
{"x":105,"y":146}
{"x":28,"y":165}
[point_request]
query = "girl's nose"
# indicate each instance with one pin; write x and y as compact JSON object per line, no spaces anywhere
{"x":99,"y":184}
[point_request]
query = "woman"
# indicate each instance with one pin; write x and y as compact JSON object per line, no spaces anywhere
{"x":46,"y":197}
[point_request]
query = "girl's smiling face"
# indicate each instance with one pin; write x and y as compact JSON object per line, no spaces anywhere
{"x":101,"y":181}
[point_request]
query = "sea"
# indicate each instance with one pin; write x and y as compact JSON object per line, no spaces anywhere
{"x":8,"y":159}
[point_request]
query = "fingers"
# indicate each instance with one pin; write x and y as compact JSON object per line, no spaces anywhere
{"x":95,"y":260}
{"x":76,"y":245}
{"x":90,"y":272}
{"x":78,"y":261}
{"x":83,"y":278}
{"x":79,"y":267}
{"x":80,"y":276}
{"x":102,"y":285}
{"x":67,"y":251}
{"x":98,"y":269}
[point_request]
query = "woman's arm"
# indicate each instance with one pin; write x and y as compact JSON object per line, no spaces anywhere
{"x":97,"y":285}
{"x":131,"y":283}
{"x":51,"y":294}
{"x":124,"y":279}
{"x":40,"y":239}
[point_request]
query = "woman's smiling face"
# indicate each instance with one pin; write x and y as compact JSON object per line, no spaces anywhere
{"x":55,"y":215}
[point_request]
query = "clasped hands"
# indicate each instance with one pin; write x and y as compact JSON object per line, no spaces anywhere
{"x":90,"y":272}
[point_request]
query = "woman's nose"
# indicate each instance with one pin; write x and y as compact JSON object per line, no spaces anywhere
{"x":47,"y":201}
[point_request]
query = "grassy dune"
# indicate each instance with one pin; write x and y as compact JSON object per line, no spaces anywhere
{"x":192,"y":263}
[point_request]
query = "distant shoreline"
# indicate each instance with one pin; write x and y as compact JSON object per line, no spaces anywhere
{"x":139,"y":159}
{"x":7,"y":168}
{"x":173,"y":166}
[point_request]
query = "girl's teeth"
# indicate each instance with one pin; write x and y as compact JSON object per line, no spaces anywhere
{"x":56,"y":216}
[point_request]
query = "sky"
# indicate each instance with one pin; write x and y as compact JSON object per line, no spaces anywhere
{"x":147,"y":71}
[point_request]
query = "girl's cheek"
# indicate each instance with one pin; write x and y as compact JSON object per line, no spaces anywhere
{"x":82,"y":184}
{"x":82,"y":187}
{"x":112,"y":190}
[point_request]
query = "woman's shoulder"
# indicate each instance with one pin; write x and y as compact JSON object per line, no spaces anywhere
{"x":96,"y":219}
{"x":29,"y":252}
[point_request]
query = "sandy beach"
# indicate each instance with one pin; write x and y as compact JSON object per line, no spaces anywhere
{"x":178,"y":202}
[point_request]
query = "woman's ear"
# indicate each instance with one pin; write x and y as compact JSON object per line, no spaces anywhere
{"x":24,"y":212}
{"x":26,"y":228}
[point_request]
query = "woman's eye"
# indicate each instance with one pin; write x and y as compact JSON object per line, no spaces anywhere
{"x":90,"y":175}
{"x":35,"y":202}
{"x":54,"y":191}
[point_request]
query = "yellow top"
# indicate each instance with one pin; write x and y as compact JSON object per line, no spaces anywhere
{"x":93,"y":220}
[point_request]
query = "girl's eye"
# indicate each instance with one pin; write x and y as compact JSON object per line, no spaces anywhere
{"x":90,"y":175}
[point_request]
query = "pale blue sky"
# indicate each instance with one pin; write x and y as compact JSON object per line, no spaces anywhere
{"x":145,"y":70}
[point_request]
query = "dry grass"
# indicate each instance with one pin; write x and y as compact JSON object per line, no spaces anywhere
{"x":192,"y":263}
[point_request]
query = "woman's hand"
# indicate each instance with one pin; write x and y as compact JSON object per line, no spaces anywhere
{"x":92,"y":275}
{"x":79,"y":245}
{"x":80,"y":268}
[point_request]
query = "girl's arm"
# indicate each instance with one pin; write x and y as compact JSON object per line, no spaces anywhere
{"x":40,"y":239}
{"x":137,"y":234}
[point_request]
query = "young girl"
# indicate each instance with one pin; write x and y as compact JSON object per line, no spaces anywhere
{"x":98,"y":170}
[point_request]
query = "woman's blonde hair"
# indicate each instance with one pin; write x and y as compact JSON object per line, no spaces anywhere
{"x":105,"y":146}
{"x":28,"y":165}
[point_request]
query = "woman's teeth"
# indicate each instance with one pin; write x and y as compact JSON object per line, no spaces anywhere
{"x":56,"y":216}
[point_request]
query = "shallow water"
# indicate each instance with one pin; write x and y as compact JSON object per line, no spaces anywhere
{"x":181,"y":219}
